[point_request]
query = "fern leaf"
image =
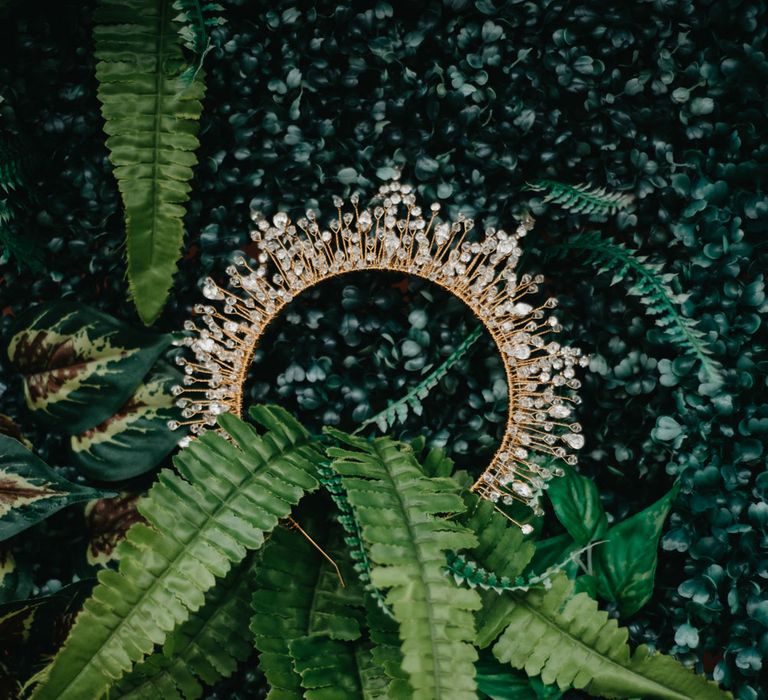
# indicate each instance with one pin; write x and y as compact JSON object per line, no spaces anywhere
{"x":395,"y":505}
{"x":465,"y":570}
{"x":354,"y":535}
{"x":397,"y":411}
{"x":296,"y":593}
{"x":201,"y":521}
{"x":501,"y":548}
{"x":566,"y":640}
{"x":152,"y":125}
{"x":195,"y":21}
{"x":206,"y":648}
{"x":582,"y":198}
{"x":385,"y":652}
{"x":328,"y":668}
{"x":373,"y":680}
{"x":652,"y":286}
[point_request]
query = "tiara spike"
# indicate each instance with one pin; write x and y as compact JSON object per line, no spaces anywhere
{"x":396,"y":236}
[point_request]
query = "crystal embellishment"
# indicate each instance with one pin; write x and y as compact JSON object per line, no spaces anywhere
{"x":396,"y":234}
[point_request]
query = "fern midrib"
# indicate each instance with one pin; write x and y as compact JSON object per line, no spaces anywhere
{"x":171,"y":564}
{"x":521,"y":600}
{"x":422,"y":570}
{"x":159,"y":93}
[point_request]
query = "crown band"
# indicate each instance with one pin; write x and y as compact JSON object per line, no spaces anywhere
{"x":397,"y":237}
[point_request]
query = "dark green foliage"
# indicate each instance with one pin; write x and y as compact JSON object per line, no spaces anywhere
{"x":15,"y":243}
{"x":663,"y":99}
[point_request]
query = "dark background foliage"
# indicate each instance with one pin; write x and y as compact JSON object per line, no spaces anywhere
{"x":665,"y":99}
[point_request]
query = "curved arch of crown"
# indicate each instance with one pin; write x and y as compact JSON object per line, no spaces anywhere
{"x":396,"y":235}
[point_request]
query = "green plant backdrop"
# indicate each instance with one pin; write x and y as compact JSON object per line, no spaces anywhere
{"x":472,"y":100}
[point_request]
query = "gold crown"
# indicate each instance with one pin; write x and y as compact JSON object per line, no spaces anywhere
{"x":397,"y":236}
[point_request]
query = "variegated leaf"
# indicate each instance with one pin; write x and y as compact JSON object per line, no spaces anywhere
{"x":8,"y":427}
{"x":108,"y":520}
{"x":136,"y":438}
{"x":80,"y":365}
{"x":31,"y":630}
{"x":30,"y":490}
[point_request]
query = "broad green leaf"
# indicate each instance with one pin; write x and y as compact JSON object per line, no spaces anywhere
{"x":577,"y":505}
{"x":625,"y":565}
{"x":136,"y":438}
{"x":80,"y":365}
{"x":30,"y":490}
{"x":498,"y":682}
{"x":151,"y":118}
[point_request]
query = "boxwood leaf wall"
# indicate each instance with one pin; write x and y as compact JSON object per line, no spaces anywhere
{"x":475,"y":98}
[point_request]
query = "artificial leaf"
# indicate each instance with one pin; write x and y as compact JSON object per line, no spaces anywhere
{"x":228,"y":493}
{"x":108,"y":521}
{"x":577,"y":505}
{"x":79,"y":365}
{"x":625,"y":564}
{"x":151,"y":118}
{"x":569,"y":642}
{"x":9,"y":427}
{"x":582,"y":198}
{"x":206,"y":648}
{"x":32,"y":629}
{"x":296,"y":592}
{"x":396,"y":506}
{"x":498,"y":682}
{"x":328,"y":668}
{"x":30,"y":490}
{"x":136,"y":438}
{"x":652,"y":285}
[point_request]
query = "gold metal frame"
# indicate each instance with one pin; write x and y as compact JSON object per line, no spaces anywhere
{"x":396,"y":236}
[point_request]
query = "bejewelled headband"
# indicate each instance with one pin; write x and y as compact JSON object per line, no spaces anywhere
{"x":395,"y":235}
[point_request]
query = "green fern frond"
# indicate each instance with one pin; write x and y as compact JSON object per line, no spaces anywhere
{"x":652,"y":285}
{"x":566,"y":640}
{"x":195,"y":21}
{"x":386,"y":653}
{"x":354,"y":536}
{"x":296,"y":593}
{"x":396,"y":506}
{"x":373,"y":680}
{"x":467,"y":571}
{"x":151,"y":120}
{"x":201,"y":521}
{"x":328,"y":668}
{"x":397,"y":411}
{"x":582,"y":198}
{"x":206,"y":648}
{"x":501,"y":548}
